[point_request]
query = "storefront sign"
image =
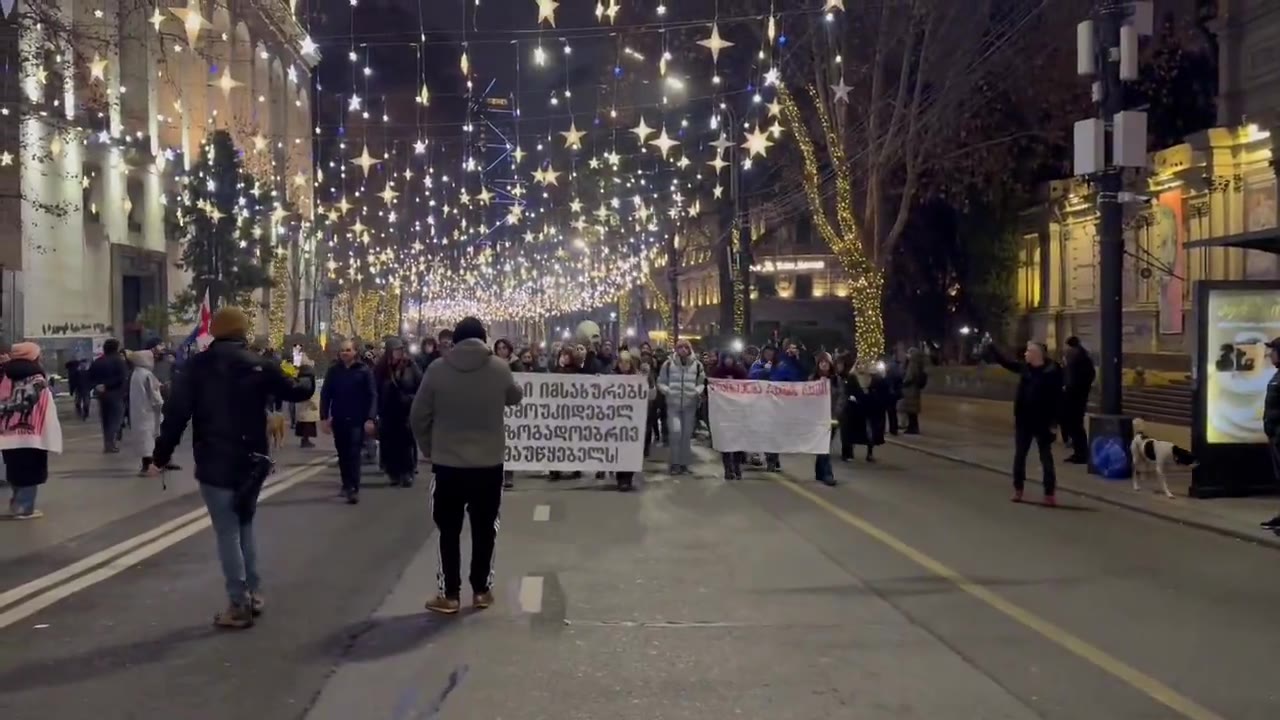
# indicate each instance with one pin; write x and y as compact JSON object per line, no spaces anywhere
{"x":776,"y":266}
{"x":578,"y":423}
{"x":763,"y":416}
{"x":1240,"y":322}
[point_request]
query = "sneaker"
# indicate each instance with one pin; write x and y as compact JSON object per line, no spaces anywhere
{"x":257,"y":603}
{"x":829,"y":481}
{"x":729,"y":476}
{"x":737,"y":475}
{"x":443,"y":605}
{"x":235,"y":617}
{"x":1017,"y":496}
{"x":673,"y":470}
{"x":1050,"y":501}
{"x":1272,"y":524}
{"x":482,"y":600}
{"x":33,"y":515}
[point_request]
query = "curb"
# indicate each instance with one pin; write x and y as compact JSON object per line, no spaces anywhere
{"x":1271,"y":542}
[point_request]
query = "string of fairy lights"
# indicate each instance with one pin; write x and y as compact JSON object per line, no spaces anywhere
{"x":576,"y":208}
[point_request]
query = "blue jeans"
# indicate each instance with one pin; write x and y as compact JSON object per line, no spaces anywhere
{"x":822,"y":471}
{"x":23,"y":501}
{"x":111,"y":413}
{"x":348,"y":441}
{"x":236,"y":549}
{"x":682,"y":421}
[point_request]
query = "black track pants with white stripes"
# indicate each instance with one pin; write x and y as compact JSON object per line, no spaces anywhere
{"x":477,"y":492}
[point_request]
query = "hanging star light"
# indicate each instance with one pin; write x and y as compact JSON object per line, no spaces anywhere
{"x":388,"y":194}
{"x":718,"y":192}
{"x":6,"y":158}
{"x":192,"y":21}
{"x":547,"y":11}
{"x":612,"y":11}
{"x":514,"y":214}
{"x":465,"y":64}
{"x":722,"y":143}
{"x":715,"y":43}
{"x":359,"y":227}
{"x":424,"y":95}
{"x":485,"y":197}
{"x":775,"y":109}
{"x":518,"y":155}
{"x":719,"y":163}
{"x":549,"y":177}
{"x":834,"y":5}
{"x":683,"y":162}
{"x":278,"y":215}
{"x":97,"y":68}
{"x":757,"y":143}
{"x":300,"y":179}
{"x":366,"y":161}
{"x":771,"y":30}
{"x":308,"y":46}
{"x":575,"y":206}
{"x":841,"y":91}
{"x":226,"y":83}
{"x":157,"y":18}
{"x":642,"y":130}
{"x":771,"y":77}
{"x":664,"y":143}
{"x":573,"y":136}
{"x":260,"y":142}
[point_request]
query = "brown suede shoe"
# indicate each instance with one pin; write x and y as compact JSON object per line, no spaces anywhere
{"x":257,"y":603}
{"x":483,"y":600}
{"x":444,"y":605}
{"x":235,"y":617}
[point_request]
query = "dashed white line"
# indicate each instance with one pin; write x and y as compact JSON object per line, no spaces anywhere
{"x":531,"y":594}
{"x":542,"y":513}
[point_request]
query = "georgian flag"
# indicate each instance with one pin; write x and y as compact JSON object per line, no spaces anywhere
{"x":200,"y":336}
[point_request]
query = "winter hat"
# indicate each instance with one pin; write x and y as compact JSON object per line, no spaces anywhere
{"x":394,"y":343}
{"x":469,"y":328}
{"x":25,"y":351}
{"x":229,"y":323}
{"x":143,"y":358}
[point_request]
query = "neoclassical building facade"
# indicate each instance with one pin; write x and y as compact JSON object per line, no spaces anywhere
{"x":106,"y":107}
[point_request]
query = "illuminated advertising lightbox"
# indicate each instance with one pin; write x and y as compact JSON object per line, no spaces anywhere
{"x":1238,"y":324}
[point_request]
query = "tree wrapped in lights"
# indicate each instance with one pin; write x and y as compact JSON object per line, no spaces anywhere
{"x":219,"y":226}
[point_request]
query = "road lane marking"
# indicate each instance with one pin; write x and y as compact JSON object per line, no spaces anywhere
{"x":124,"y":562}
{"x":102,"y":556}
{"x":542,"y":513}
{"x":1135,"y":678}
{"x":531,"y":594}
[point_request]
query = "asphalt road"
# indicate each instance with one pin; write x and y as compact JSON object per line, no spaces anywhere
{"x":913,"y":590}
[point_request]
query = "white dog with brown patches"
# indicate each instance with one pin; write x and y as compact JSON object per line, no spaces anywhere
{"x":1150,"y":454}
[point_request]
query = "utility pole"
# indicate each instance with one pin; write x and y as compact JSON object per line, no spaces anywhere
{"x":1105,"y":146}
{"x":1111,"y":17}
{"x":673,"y":279}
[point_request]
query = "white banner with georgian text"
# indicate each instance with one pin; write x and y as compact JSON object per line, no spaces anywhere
{"x":772,"y":417}
{"x":589,"y":423}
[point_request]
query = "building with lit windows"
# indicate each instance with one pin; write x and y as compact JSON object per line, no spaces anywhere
{"x":797,"y":284}
{"x":106,"y":105}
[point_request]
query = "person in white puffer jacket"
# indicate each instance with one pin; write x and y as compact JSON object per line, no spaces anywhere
{"x":682,"y":380}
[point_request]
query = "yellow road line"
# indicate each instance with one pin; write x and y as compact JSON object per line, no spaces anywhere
{"x":1149,"y":686}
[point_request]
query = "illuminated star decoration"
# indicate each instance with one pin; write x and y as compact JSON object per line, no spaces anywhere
{"x":573,"y":136}
{"x":366,"y":161}
{"x":719,"y":163}
{"x":388,"y":194}
{"x":664,"y":143}
{"x":424,"y":95}
{"x":191,"y":20}
{"x":97,"y":68}
{"x":771,"y":77}
{"x":722,"y":143}
{"x":353,"y":103}
{"x":715,"y":43}
{"x":157,"y":18}
{"x":547,"y":11}
{"x":259,"y":142}
{"x":775,"y":109}
{"x":226,"y":83}
{"x":419,"y":147}
{"x":757,"y":143}
{"x":6,"y":158}
{"x":642,"y":130}
{"x":834,"y":5}
{"x":841,"y":91}
{"x":343,"y":205}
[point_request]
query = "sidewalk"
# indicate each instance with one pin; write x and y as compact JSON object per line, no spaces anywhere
{"x":980,"y":433}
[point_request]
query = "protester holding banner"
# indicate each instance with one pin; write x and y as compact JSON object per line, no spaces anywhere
{"x":729,"y":369}
{"x":786,"y":369}
{"x":567,"y":363}
{"x":627,"y":366}
{"x":826,"y":371}
{"x":681,"y":381}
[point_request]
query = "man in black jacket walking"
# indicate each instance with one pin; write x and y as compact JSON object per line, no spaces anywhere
{"x":348,"y":408}
{"x":109,"y":376}
{"x":1078,"y":375}
{"x":223,"y":393}
{"x":1035,"y":413}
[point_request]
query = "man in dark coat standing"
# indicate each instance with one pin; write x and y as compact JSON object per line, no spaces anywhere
{"x":1035,"y":413}
{"x":109,"y":376}
{"x":1078,"y":376}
